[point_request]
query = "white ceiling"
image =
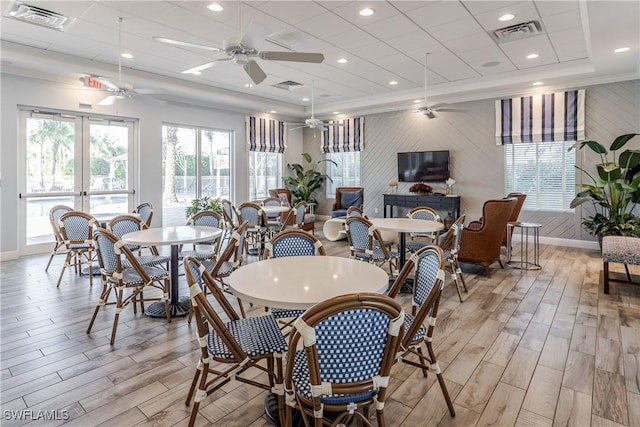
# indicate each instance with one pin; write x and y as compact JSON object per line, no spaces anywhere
{"x":575,"y":48}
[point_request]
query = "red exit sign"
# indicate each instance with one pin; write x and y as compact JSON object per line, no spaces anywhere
{"x":90,"y":81}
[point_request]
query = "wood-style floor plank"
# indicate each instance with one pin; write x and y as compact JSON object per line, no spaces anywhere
{"x":525,"y":348}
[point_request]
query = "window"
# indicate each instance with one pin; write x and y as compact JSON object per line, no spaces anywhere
{"x":196,"y":163}
{"x":345,"y":174}
{"x":545,"y":171}
{"x":265,"y":172}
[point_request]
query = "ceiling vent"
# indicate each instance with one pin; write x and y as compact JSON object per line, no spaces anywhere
{"x":288,"y":85}
{"x":38,"y":16}
{"x":517,"y":32}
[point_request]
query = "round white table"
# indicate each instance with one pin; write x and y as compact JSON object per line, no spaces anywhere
{"x":271,"y":209}
{"x":174,"y":236}
{"x":301,"y":281}
{"x":406,"y":225}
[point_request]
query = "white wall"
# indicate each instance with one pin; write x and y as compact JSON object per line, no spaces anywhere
{"x":21,"y":91}
{"x":476,"y":161}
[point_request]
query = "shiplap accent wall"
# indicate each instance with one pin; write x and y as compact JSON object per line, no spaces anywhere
{"x":476,"y":162}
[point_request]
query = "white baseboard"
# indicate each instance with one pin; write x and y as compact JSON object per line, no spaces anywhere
{"x":570,"y":243}
{"x":9,"y":255}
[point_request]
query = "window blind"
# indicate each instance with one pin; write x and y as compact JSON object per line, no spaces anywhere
{"x":348,"y":136}
{"x":265,"y":135}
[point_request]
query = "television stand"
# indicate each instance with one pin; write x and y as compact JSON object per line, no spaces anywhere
{"x":437,"y":202}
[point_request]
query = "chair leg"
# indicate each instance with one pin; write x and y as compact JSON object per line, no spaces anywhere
{"x":606,"y":277}
{"x":200,"y":392}
{"x":53,"y":253}
{"x":459,"y":273}
{"x":64,"y":267}
{"x":454,"y":276}
{"x":119,"y":293}
{"x":104,"y":297}
{"x":443,"y":386}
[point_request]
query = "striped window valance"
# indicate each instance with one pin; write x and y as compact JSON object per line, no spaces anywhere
{"x":348,"y":136}
{"x":265,"y":135}
{"x":540,"y":118}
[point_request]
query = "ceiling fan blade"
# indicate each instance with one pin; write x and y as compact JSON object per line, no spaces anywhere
{"x":185,"y":44}
{"x":196,"y":70}
{"x":452,"y":110}
{"x":255,"y":72}
{"x":109,"y":100}
{"x":315,"y":58}
{"x":255,"y":35}
{"x":108,"y":83}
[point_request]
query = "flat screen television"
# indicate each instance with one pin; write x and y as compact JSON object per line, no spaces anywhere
{"x":423,"y":166}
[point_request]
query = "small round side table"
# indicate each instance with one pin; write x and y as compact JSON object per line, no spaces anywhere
{"x":526,"y":229}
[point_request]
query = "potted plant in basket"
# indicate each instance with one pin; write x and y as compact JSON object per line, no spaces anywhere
{"x":306,"y":179}
{"x":420,"y":188}
{"x":205,"y":203}
{"x":615,"y":190}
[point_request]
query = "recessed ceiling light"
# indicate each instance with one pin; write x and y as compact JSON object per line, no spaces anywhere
{"x":622,"y":49}
{"x":127,"y":55}
{"x":538,"y":83}
{"x":249,"y":85}
{"x":532,"y":56}
{"x":417,"y":101}
{"x":336,"y":112}
{"x":215,"y":7}
{"x":393,"y":82}
{"x":506,"y":17}
{"x":343,"y":61}
{"x":273,"y":111}
{"x":305,"y":99}
{"x":367,"y":11}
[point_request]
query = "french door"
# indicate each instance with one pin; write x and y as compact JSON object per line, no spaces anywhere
{"x":84,"y":162}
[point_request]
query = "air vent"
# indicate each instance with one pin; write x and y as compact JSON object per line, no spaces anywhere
{"x":38,"y":16}
{"x":288,"y":85}
{"x":517,"y":32}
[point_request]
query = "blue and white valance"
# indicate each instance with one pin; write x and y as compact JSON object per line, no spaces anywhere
{"x":265,"y":135}
{"x":347,"y":136}
{"x":541,"y":118}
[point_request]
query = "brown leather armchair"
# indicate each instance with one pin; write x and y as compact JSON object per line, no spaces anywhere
{"x":515,"y":214}
{"x":480,"y":242}
{"x":309,"y":218}
{"x":345,"y":198}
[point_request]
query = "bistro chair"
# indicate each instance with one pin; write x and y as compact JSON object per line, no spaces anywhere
{"x":113,"y":255}
{"x":54,"y":216}
{"x":233,"y":346}
{"x":76,"y":229}
{"x":355,"y":211}
{"x":231,"y":217}
{"x":212,"y":247}
{"x":273,"y":219}
{"x":123,"y":224}
{"x":450,"y":244}
{"x":366,"y":244}
{"x":350,"y":344}
{"x":427,"y":266}
{"x":145,"y":210}
{"x":419,"y":240}
{"x":229,"y":260}
{"x":257,"y":227}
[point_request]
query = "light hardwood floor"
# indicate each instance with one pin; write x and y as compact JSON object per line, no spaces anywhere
{"x":536,"y":348}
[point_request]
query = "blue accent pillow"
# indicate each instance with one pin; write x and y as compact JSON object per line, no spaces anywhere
{"x":350,"y":198}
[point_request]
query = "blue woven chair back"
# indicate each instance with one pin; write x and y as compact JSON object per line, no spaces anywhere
{"x":427,"y":268}
{"x":292,"y":245}
{"x":424,"y":213}
{"x":359,"y":231}
{"x":77,"y":227}
{"x":350,"y":345}
{"x":207,"y":219}
{"x":55,"y":214}
{"x":145,"y":210}
{"x":123,"y":225}
{"x":251,"y":214}
{"x":106,"y":252}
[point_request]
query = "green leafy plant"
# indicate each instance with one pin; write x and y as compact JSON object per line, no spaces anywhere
{"x":306,"y":179}
{"x":615,"y":190}
{"x":205,"y":203}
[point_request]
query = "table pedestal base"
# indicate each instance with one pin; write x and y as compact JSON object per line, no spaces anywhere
{"x":178,"y":309}
{"x":271,"y":411}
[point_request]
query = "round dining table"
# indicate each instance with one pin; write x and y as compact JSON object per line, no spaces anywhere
{"x":174,"y":236}
{"x":406,"y":225}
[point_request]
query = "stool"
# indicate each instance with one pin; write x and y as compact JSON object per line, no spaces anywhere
{"x":526,"y":228}
{"x":621,"y":249}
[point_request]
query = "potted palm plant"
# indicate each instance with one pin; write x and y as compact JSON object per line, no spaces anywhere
{"x":306,"y":179}
{"x":205,"y":203}
{"x":615,"y":190}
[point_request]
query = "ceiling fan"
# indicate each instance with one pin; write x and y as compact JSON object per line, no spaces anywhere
{"x":119,"y":90}
{"x":429,"y":110}
{"x":242,"y":51}
{"x":312,"y":122}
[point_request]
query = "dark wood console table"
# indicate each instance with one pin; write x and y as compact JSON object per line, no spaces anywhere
{"x":439,"y":203}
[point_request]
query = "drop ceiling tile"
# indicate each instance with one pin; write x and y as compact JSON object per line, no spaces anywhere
{"x":291,"y":12}
{"x":523,"y":11}
{"x":562,"y":21}
{"x":326,"y":25}
{"x":477,"y":58}
{"x":450,"y":67}
{"x":538,"y":62}
{"x":456,"y":30}
{"x":408,"y":6}
{"x":140,"y":9}
{"x":73,"y":9}
{"x":476,"y":7}
{"x":476,"y":41}
{"x":351,"y":39}
{"x":406,"y":68}
{"x":571,"y":52}
{"x":417,"y":40}
{"x":391,"y":27}
{"x":519,"y":49}
{"x":375,"y":51}
{"x":547,"y":8}
{"x":351,"y":12}
{"x":568,"y":36}
{"x":435,"y":14}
